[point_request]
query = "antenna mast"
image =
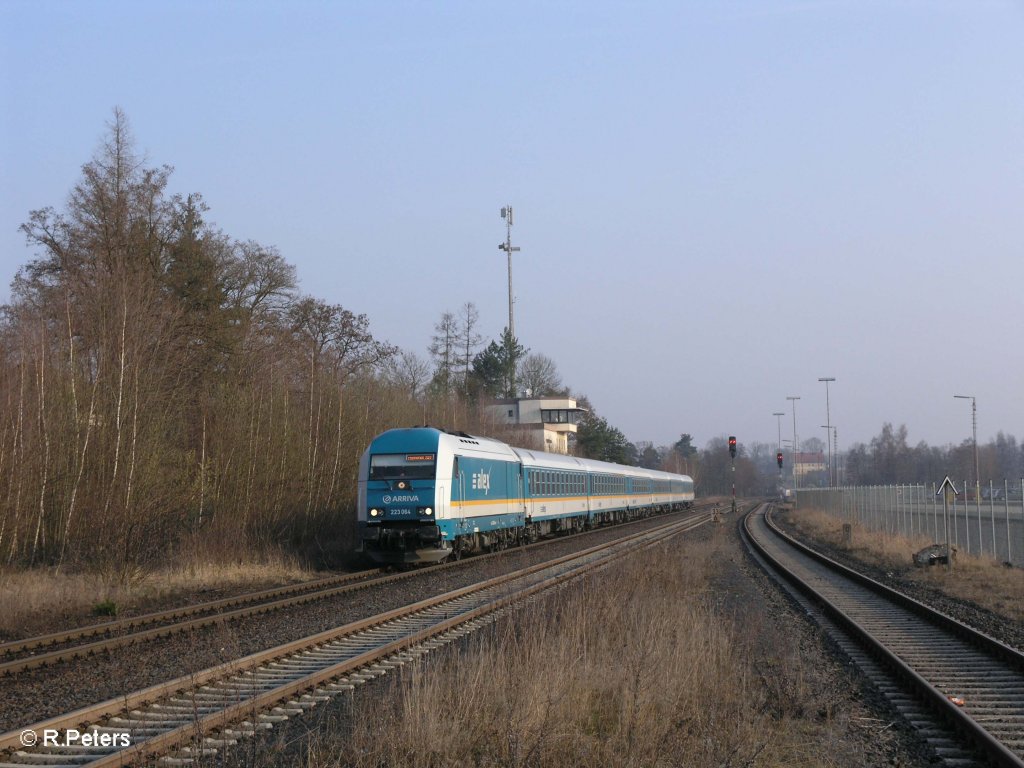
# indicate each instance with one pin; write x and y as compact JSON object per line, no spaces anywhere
{"x":506,"y":214}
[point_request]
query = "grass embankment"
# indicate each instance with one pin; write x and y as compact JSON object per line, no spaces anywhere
{"x":635,"y":666}
{"x":981,"y":580}
{"x":42,"y":600}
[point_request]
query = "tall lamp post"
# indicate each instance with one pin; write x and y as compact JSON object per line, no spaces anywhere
{"x":779,"y":415}
{"x":828,"y":423}
{"x":830,"y":432}
{"x":974,"y":431}
{"x":796,"y":445}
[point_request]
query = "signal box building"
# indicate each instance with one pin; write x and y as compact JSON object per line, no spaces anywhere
{"x":548,"y":423}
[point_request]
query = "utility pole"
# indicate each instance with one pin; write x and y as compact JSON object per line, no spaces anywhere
{"x":506,"y":214}
{"x":835,"y":452}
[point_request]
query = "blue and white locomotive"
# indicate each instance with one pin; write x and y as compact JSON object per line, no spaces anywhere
{"x":426,"y":495}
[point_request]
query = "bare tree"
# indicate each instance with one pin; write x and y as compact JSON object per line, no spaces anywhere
{"x":444,"y":347}
{"x":259,"y":282}
{"x":539,"y":375}
{"x":337,"y":344}
{"x":468,"y":340}
{"x":410,"y":372}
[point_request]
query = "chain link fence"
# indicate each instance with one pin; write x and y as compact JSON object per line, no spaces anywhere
{"x":985,"y":521}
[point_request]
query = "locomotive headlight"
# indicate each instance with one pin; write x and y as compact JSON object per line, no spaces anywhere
{"x":402,"y":485}
{"x":375,"y":512}
{"x":426,"y":511}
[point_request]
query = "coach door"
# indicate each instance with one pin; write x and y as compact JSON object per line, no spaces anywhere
{"x":514,"y":489}
{"x":458,"y":494}
{"x":521,"y":490}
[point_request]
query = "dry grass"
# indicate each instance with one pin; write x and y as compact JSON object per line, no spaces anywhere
{"x":877,"y":548}
{"x":982,"y":580}
{"x":632,"y":668}
{"x":41,"y":600}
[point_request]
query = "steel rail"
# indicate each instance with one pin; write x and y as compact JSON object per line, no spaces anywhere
{"x":938,"y":701}
{"x":310,"y":592}
{"x":103,"y":628}
{"x":99,"y":712}
{"x":972,"y":635}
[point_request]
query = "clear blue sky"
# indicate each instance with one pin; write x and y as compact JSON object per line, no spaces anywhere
{"x":717,"y":202}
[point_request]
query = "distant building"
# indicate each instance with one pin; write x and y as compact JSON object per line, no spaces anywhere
{"x":806,"y":463}
{"x":545,"y":422}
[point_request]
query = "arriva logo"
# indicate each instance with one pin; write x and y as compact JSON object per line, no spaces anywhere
{"x":482,"y":481}
{"x":399,"y":499}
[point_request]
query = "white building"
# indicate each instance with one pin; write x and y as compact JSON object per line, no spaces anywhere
{"x":805,"y":463}
{"x":546,"y":422}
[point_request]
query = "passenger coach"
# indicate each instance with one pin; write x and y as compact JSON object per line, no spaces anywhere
{"x":426,"y":495}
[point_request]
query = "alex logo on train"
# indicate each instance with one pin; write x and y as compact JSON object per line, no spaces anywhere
{"x":482,"y":481}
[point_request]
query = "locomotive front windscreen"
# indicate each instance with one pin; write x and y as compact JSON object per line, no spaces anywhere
{"x":396,"y":466}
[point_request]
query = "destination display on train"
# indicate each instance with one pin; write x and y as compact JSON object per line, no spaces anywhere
{"x":419,"y":457}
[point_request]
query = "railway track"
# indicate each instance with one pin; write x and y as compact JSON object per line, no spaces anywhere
{"x":962,"y":690}
{"x":45,"y":650}
{"x":200,"y":714}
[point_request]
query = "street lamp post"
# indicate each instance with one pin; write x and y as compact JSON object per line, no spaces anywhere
{"x":796,"y":445}
{"x":828,"y":422}
{"x":830,"y":432}
{"x":974,"y":432}
{"x":779,"y":415}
